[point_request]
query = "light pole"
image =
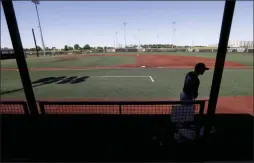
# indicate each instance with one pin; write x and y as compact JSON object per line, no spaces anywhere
{"x":116,"y":40}
{"x":173,"y":33}
{"x":157,"y":41}
{"x":136,"y":40}
{"x":36,"y":2}
{"x":35,"y":43}
{"x":193,"y":39}
{"x":124,"y":24}
{"x":139,"y":38}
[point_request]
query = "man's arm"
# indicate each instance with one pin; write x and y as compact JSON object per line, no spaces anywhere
{"x":196,"y":87}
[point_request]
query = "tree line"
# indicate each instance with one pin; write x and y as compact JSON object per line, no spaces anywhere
{"x":65,"y":48}
{"x":77,"y":47}
{"x":88,"y":47}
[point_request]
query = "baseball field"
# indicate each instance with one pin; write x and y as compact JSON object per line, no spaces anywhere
{"x":130,"y":76}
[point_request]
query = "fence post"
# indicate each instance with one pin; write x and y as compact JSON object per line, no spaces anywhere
{"x":220,"y":59}
{"x":120,"y":109}
{"x":42,"y":108}
{"x":202,"y":107}
{"x":20,"y":55}
{"x":36,"y":48}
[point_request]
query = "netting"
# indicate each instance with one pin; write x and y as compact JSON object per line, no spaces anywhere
{"x":148,"y":107}
{"x":80,"y":109}
{"x":176,"y":108}
{"x":13,"y":107}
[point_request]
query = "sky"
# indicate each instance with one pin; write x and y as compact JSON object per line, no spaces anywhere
{"x":148,"y":22}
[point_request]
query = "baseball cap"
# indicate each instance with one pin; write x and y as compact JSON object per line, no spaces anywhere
{"x":201,"y":66}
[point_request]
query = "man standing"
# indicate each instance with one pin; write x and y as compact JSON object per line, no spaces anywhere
{"x":191,"y":83}
{"x":186,"y":114}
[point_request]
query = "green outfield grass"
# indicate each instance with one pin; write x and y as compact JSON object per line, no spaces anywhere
{"x":109,"y":84}
{"x":54,"y":62}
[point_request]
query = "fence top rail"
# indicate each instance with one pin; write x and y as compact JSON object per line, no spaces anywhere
{"x":12,"y":102}
{"x":120,"y":102}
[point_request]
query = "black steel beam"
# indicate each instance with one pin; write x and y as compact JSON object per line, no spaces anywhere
{"x":20,"y":55}
{"x":200,"y":102}
{"x":36,"y":48}
{"x":221,"y":55}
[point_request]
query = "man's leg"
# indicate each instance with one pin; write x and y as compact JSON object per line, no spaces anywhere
{"x":187,"y":115}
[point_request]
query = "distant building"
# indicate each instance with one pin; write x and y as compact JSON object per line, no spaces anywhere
{"x":212,"y":45}
{"x":236,"y":44}
{"x":7,"y":51}
{"x":242,"y":44}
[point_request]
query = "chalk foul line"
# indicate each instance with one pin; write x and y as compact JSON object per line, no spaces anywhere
{"x":151,"y":79}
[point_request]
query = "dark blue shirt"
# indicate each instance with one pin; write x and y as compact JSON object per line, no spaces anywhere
{"x":191,"y":84}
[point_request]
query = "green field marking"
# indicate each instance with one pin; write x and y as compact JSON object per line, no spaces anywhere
{"x":137,"y":77}
{"x":168,"y":84}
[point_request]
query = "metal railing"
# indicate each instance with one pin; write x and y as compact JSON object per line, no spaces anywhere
{"x":100,"y":107}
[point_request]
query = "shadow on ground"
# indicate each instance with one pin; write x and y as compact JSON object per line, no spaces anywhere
{"x":119,"y":138}
{"x":61,"y":80}
{"x":52,"y":80}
